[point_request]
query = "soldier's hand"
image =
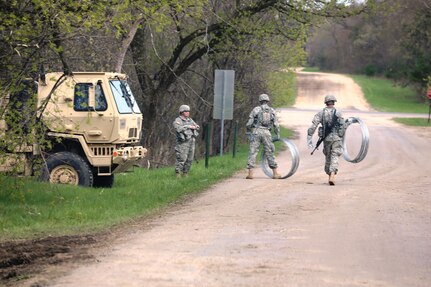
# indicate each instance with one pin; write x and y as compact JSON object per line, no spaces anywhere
{"x":349,"y":121}
{"x":310,"y":142}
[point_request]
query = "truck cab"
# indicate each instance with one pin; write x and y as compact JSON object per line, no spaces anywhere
{"x":93,"y":124}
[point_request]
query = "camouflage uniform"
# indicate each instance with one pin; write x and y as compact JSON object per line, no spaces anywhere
{"x":261,"y":134}
{"x":185,"y":144}
{"x":332,"y":147}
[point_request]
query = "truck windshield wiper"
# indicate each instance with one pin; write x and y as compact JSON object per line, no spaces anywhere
{"x":126,"y":94}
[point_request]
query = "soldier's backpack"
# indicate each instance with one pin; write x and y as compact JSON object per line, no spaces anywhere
{"x":264,"y":117}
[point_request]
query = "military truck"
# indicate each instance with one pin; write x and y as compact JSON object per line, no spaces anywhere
{"x":92,"y":128}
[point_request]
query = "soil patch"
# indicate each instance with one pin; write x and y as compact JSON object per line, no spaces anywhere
{"x":21,"y":259}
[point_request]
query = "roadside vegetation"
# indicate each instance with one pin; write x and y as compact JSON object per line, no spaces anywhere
{"x":30,"y":209}
{"x":311,"y":69}
{"x":418,"y":122}
{"x":385,"y":96}
{"x":392,"y":41}
{"x":282,"y":88}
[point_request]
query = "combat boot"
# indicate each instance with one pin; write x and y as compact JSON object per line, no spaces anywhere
{"x":185,"y":174}
{"x":275,"y":174}
{"x":332,"y":178}
{"x":178,"y":175}
{"x":250,"y":174}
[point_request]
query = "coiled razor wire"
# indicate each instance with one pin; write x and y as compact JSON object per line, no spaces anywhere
{"x":295,"y":160}
{"x":364,"y":145}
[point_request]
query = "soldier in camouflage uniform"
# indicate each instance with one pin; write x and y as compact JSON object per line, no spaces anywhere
{"x":260,"y":122}
{"x":332,"y":125}
{"x":186,"y":132}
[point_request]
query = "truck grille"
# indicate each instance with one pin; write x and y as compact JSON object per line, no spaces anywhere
{"x":133,"y":133}
{"x":102,"y":150}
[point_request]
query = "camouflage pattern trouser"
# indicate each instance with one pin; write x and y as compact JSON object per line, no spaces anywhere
{"x":184,"y":154}
{"x":332,"y":151}
{"x":261,"y":136}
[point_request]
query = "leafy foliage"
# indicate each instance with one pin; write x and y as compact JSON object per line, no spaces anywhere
{"x":169,"y":48}
{"x":392,"y":40}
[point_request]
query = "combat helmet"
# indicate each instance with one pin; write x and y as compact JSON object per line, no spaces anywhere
{"x":263,"y":97}
{"x":330,"y":98}
{"x":184,"y":108}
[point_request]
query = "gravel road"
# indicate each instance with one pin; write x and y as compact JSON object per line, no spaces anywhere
{"x":373,"y":228}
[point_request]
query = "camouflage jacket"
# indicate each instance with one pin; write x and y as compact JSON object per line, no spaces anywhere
{"x":325,"y":119}
{"x":257,"y":119}
{"x":183,"y":130}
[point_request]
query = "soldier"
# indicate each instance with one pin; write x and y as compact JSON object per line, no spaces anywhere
{"x":332,"y":131}
{"x":186,"y":132}
{"x":260,"y":122}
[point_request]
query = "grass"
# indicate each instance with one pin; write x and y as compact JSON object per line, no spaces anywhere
{"x":311,"y":69}
{"x":30,"y":209}
{"x":384,"y":96}
{"x":418,"y":122}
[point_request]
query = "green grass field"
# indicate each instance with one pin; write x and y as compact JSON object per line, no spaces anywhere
{"x":418,"y":122}
{"x":33,"y":209}
{"x":29,"y":208}
{"x":384,"y":96}
{"x":311,"y":69}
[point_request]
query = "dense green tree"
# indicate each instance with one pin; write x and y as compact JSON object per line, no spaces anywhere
{"x":169,"y":48}
{"x":393,"y":40}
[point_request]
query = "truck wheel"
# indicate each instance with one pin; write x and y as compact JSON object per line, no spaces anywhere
{"x":67,"y":168}
{"x":103,"y":181}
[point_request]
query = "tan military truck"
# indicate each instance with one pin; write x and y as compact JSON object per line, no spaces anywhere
{"x":92,"y":127}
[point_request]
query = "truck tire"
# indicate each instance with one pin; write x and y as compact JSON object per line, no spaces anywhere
{"x":103,"y":181}
{"x":67,"y":168}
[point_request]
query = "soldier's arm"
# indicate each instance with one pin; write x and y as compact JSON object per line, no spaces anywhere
{"x":250,"y":121}
{"x":314,"y":123}
{"x":342,"y":125}
{"x":196,"y":126}
{"x":179,"y":128}
{"x":276,"y":124}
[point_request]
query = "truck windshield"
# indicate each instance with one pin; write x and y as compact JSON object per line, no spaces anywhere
{"x":126,"y":103}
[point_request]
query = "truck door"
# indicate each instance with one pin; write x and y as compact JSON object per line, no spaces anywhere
{"x":93,"y":114}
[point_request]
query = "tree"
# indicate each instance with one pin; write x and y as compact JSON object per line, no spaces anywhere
{"x":170,"y":48}
{"x":393,"y":40}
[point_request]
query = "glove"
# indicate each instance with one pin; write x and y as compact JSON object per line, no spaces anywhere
{"x":310,"y":142}
{"x":349,"y":121}
{"x":276,"y":138}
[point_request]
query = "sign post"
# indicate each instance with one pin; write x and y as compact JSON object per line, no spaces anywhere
{"x":223,"y":99}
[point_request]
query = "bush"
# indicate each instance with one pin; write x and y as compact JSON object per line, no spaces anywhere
{"x":370,"y":70}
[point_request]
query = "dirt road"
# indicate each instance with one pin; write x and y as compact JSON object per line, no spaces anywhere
{"x":373,"y":228}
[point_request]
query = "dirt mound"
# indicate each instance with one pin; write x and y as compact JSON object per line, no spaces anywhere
{"x":23,"y":258}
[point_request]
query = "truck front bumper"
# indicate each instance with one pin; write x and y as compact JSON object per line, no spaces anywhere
{"x":125,"y":158}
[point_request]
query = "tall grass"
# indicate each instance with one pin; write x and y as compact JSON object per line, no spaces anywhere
{"x":384,"y":96}
{"x":32,"y":209}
